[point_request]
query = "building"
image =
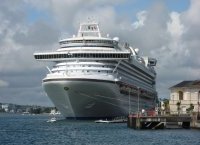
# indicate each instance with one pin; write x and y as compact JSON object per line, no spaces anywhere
{"x":5,"y":107}
{"x":185,"y":97}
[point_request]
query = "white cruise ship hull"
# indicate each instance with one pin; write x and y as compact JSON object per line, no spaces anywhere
{"x":89,"y":98}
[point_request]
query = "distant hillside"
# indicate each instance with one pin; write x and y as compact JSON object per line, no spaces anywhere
{"x":32,"y":109}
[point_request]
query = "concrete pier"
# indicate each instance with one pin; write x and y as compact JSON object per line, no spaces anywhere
{"x":158,"y":122}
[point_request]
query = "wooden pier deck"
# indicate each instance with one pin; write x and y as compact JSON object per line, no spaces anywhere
{"x":157,"y":122}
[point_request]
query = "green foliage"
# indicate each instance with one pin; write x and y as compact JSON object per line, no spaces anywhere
{"x":166,"y":106}
{"x":190,"y":109}
{"x":2,"y":110}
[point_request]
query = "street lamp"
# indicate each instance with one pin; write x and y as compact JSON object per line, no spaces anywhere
{"x":198,"y":116}
{"x":129,"y":101}
{"x":138,"y":95}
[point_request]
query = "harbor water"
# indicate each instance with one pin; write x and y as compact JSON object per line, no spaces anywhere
{"x":33,"y":129}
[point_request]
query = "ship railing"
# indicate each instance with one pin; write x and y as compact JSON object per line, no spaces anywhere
{"x":84,"y":51}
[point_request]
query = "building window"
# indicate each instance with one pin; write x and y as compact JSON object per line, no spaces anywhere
{"x":180,"y":93}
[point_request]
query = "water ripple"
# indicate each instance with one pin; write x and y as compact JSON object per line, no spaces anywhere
{"x":26,"y":130}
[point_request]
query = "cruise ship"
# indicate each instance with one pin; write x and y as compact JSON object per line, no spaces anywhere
{"x":96,"y":76}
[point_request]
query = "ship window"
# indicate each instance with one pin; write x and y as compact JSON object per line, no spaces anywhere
{"x":99,"y":71}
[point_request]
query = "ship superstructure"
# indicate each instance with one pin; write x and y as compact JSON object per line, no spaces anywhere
{"x":97,"y":77}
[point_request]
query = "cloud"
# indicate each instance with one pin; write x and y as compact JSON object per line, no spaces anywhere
{"x":3,"y":84}
{"x":171,"y":37}
{"x":174,"y":27}
{"x":39,"y":34}
{"x":141,"y":16}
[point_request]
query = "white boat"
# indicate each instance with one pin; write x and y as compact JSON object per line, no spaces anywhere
{"x":111,"y":121}
{"x":95,"y":76}
{"x":102,"y":121}
{"x":53,"y":119}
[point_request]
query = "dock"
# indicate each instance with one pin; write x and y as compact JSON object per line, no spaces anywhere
{"x":158,"y":122}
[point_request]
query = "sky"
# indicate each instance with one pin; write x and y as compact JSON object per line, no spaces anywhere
{"x":167,"y":30}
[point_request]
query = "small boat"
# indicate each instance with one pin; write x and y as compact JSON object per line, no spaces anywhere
{"x":111,"y":121}
{"x":102,"y":121}
{"x":52,"y":120}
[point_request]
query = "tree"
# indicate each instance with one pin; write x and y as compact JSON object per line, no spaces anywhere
{"x":190,"y":109}
{"x":166,"y":106}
